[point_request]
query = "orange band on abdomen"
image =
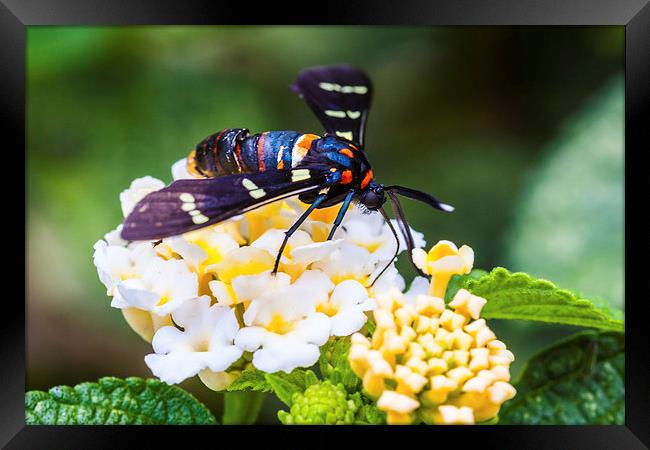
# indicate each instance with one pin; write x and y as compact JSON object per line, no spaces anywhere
{"x":261,"y":164}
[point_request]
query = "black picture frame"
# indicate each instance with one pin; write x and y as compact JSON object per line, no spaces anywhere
{"x":634,"y":15}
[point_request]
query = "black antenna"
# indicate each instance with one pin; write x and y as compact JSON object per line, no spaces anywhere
{"x":390,"y":225}
{"x":405,"y":228}
{"x":420,"y":196}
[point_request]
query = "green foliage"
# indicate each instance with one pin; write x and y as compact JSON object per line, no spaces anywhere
{"x":569,"y":222}
{"x":578,"y":381}
{"x":458,"y":282}
{"x":322,"y":404}
{"x":334,"y":363}
{"x":250,"y":380}
{"x":329,"y":403}
{"x":286,"y":385}
{"x":493,"y":421}
{"x":369,"y":414}
{"x":371,"y":326}
{"x":113,"y":401}
{"x":520,"y":296}
{"x":335,"y":400}
{"x":242,"y":408}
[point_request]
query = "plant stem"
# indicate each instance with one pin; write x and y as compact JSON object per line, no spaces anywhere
{"x":242,"y":408}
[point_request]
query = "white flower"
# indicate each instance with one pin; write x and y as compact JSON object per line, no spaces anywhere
{"x":201,"y":249}
{"x":284,"y":352}
{"x":164,"y":287}
{"x":116,"y":263}
{"x":321,"y":288}
{"x":371,"y":232}
{"x":113,"y":263}
{"x":346,"y":307}
{"x":139,"y":188}
{"x":283,"y":328}
{"x":390,"y":279}
{"x":299,"y":252}
{"x":179,"y":170}
{"x":113,"y":237}
{"x":206,"y":342}
{"x":349,"y":261}
{"x":419,"y":286}
{"x":245,"y":288}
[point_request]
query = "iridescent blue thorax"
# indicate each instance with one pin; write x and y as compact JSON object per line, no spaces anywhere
{"x":348,"y":166}
{"x":340,"y":154}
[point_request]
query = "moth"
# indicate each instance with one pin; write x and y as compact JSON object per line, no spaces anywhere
{"x":237,"y":171}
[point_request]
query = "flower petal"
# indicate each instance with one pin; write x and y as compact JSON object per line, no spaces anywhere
{"x":174,"y":367}
{"x":139,"y":188}
{"x":179,"y":170}
{"x":317,"y":251}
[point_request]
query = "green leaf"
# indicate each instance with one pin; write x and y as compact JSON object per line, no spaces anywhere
{"x":493,"y":421}
{"x":458,"y":282}
{"x":250,"y":380}
{"x":578,"y":381}
{"x":520,"y":296}
{"x":335,"y":366}
{"x":242,"y":408}
{"x":371,"y":326}
{"x":369,"y":414}
{"x":286,"y":385}
{"x":113,"y":401}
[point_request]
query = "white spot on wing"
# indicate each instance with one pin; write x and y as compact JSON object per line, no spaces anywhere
{"x":332,"y":113}
{"x":299,"y":175}
{"x":257,"y":193}
{"x":354,"y":90}
{"x":345,"y":134}
{"x":199,"y":219}
{"x":354,"y":114}
{"x":343,"y":89}
{"x":186,"y":197}
{"x":188,"y":206}
{"x":248,"y":184}
{"x":329,"y":86}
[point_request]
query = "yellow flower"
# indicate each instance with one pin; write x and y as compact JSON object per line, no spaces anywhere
{"x":431,"y":362}
{"x":442,"y":262}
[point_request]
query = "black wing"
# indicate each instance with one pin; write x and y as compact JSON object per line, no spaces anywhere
{"x":340,"y":96}
{"x":187,"y":205}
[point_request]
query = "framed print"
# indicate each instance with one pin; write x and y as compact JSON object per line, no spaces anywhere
{"x":374,"y":215}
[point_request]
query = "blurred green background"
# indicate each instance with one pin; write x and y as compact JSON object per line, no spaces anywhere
{"x":520,"y":128}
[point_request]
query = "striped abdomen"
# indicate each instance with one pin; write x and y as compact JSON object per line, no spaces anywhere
{"x":233,"y":151}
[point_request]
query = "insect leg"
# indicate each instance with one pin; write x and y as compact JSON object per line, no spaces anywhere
{"x":341,"y":214}
{"x":390,"y":225}
{"x":294,"y":227}
{"x":405,"y":229}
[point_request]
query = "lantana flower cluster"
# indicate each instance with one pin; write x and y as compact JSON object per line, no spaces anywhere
{"x":210,"y":306}
{"x":428,"y":361}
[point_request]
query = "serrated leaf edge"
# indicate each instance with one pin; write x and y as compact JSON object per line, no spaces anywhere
{"x":524,"y":282}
